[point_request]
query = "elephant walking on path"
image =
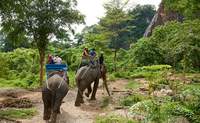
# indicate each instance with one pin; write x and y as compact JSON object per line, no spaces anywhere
{"x":85,"y":76}
{"x":53,"y":92}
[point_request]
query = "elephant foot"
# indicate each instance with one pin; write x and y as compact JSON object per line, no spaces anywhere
{"x":47,"y":121}
{"x":59,"y":112}
{"x":77,"y":104}
{"x":87,"y":94}
{"x":93,"y":98}
{"x":53,"y":118}
{"x":82,"y":101}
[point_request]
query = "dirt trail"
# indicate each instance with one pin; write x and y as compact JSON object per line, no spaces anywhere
{"x":87,"y":112}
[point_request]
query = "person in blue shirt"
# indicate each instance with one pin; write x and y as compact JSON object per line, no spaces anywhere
{"x":92,"y":55}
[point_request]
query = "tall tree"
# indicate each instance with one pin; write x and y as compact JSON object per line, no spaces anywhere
{"x":39,"y":21}
{"x":113,"y":27}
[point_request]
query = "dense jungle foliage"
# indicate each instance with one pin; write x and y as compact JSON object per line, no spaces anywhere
{"x":167,"y":60}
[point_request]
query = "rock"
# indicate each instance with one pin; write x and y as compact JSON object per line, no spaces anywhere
{"x":162,"y":92}
{"x":161,"y":17}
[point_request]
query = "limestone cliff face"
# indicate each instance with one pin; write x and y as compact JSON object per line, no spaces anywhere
{"x":161,"y":17}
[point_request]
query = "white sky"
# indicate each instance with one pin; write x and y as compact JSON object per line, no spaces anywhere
{"x":93,"y":9}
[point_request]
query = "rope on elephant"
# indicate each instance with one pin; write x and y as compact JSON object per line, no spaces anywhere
{"x":59,"y":84}
{"x":48,"y":85}
{"x":85,"y":73}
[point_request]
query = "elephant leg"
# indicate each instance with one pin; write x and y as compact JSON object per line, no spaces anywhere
{"x":59,"y":96}
{"x":89,"y":89}
{"x":79,"y":97}
{"x":96,"y":84}
{"x":46,"y":97}
{"x":53,"y":117}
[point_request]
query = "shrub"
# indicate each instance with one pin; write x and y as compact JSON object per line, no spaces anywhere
{"x":176,"y":44}
{"x":146,"y":52}
{"x":131,"y":100}
{"x":113,"y":119}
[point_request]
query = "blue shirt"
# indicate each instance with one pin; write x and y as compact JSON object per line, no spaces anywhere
{"x":92,"y":53}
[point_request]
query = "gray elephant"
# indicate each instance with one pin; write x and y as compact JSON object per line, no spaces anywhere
{"x":85,"y":76}
{"x":53,"y":92}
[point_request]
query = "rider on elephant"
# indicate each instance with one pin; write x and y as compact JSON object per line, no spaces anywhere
{"x":85,"y":58}
{"x":92,"y":56}
{"x":101,"y":60}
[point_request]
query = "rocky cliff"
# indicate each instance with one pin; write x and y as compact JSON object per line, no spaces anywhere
{"x":162,"y":16}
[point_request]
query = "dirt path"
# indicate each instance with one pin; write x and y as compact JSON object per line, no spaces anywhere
{"x":87,"y":112}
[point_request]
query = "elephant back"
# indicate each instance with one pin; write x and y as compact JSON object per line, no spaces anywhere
{"x":80,"y":72}
{"x":88,"y":73}
{"x":55,"y":82}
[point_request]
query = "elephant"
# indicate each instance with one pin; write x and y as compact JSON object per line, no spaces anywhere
{"x":85,"y":76}
{"x":53,"y":92}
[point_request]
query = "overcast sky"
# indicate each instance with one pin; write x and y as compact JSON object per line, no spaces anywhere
{"x":93,"y":9}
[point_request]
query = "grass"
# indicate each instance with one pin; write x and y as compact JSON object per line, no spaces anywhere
{"x":191,"y":86}
{"x":131,"y":100}
{"x":105,"y":102}
{"x":113,"y":119}
{"x":18,"y":113}
{"x":22,"y":83}
{"x":133,"y":85}
{"x":112,"y":77}
{"x":71,"y":75}
{"x":28,"y":81}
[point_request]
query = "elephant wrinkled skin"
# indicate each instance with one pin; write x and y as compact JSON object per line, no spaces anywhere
{"x":85,"y":76}
{"x":52,"y":96}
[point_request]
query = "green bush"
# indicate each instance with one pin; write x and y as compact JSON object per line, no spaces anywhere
{"x":176,"y":44}
{"x":21,"y":68}
{"x":113,"y":119}
{"x":145,"y":52}
{"x":131,"y":100}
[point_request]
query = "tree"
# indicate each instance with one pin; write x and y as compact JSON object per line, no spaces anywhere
{"x":39,"y":21}
{"x":189,"y":8}
{"x":142,"y":18}
{"x":6,"y":44}
{"x":113,"y":27}
{"x":175,"y":43}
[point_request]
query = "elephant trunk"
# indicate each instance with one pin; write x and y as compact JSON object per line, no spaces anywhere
{"x":105,"y":84}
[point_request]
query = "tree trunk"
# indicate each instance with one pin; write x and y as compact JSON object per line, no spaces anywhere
{"x":42,"y":58}
{"x":115,"y":60}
